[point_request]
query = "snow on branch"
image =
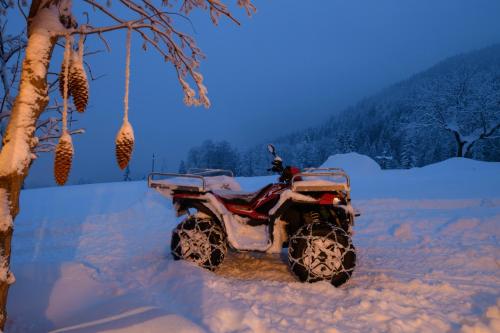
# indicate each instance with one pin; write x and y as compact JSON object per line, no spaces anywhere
{"x":465,"y":102}
{"x":157,"y":28}
{"x":12,"y":46}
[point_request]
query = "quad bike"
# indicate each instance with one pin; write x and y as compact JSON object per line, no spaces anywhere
{"x":307,"y":211}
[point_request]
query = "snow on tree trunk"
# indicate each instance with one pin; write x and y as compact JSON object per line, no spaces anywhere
{"x":19,"y":140}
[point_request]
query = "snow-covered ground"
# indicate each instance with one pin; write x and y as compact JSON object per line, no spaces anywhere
{"x":95,"y":258}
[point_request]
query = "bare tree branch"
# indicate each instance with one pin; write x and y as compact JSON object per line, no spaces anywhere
{"x":466,"y":104}
{"x":156,"y":28}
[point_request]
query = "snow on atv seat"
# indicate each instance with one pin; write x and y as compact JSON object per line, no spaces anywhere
{"x":223,"y":183}
{"x":95,"y":258}
{"x":236,"y":195}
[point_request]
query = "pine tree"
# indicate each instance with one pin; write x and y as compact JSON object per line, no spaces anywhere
{"x":182,"y":167}
{"x":408,"y":158}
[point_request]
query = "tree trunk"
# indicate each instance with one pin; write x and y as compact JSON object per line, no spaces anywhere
{"x":16,"y":155}
{"x":460,"y":144}
{"x":460,"y":149}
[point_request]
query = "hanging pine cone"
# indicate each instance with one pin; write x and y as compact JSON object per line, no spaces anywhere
{"x":78,"y":83}
{"x":63,"y":159}
{"x":124,"y":144}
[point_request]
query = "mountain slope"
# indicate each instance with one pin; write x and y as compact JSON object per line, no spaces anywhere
{"x":400,"y":127}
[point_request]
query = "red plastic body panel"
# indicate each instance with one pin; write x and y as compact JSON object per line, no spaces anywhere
{"x":258,"y":207}
{"x":251,"y":209}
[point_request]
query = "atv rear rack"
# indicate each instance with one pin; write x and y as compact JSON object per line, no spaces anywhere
{"x":210,"y":172}
{"x":194,"y":181}
{"x":321,"y":180}
{"x":177,"y":181}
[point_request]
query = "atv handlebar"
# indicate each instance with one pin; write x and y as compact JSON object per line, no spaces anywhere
{"x":277,"y":165}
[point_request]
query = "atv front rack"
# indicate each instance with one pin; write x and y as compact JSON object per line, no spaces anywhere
{"x":321,"y":180}
{"x":197,"y":180}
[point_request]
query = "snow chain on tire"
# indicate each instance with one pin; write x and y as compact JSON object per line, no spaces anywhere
{"x":321,"y":251}
{"x":199,"y":240}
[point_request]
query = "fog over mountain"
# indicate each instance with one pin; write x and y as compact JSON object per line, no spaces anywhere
{"x":412,"y":123}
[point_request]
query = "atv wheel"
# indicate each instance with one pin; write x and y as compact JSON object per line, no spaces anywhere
{"x":199,"y":240}
{"x":320,"y":251}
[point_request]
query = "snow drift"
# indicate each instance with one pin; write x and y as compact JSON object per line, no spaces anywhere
{"x":95,"y":258}
{"x":353,"y":164}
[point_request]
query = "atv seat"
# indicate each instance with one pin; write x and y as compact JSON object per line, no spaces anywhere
{"x":239,"y":197}
{"x":236,"y":197}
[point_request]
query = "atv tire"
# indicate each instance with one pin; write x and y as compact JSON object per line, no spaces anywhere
{"x":199,"y":240}
{"x":320,"y":251}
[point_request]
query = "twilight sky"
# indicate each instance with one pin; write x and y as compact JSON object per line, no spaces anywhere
{"x":290,"y":66}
